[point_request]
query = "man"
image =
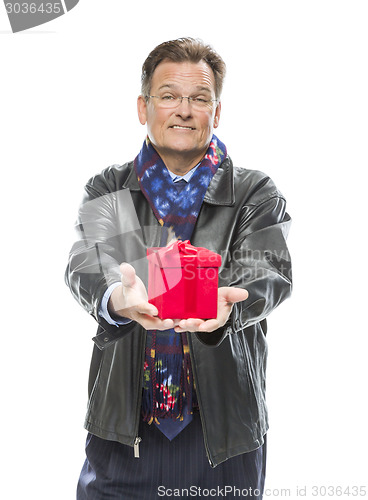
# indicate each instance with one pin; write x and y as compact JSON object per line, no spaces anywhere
{"x":187,"y":395}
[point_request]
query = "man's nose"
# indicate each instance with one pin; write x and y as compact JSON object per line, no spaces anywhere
{"x":184,"y":108}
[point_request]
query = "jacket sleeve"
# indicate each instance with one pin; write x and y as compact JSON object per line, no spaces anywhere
{"x":94,"y":259}
{"x":256,"y":258}
{"x":260,"y":260}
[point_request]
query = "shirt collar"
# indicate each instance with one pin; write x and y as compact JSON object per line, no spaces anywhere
{"x":186,"y":177}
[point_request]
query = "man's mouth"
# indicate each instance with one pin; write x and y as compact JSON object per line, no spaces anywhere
{"x":182,"y":128}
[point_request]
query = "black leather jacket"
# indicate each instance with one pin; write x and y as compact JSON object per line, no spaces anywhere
{"x":242,"y":218}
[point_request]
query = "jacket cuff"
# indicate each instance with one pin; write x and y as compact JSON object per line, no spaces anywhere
{"x":107,"y":334}
{"x":215,"y":338}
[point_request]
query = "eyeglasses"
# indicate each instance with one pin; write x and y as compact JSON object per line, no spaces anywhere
{"x":171,"y":102}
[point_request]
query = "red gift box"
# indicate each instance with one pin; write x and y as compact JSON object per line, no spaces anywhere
{"x":183,"y":281}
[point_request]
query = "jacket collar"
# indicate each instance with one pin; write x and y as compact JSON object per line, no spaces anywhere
{"x":221,"y":188}
{"x":219,"y":192}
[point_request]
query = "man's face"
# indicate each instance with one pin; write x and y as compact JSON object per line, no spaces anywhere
{"x":182,"y":129}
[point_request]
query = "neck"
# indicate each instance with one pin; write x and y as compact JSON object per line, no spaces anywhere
{"x":179,"y":163}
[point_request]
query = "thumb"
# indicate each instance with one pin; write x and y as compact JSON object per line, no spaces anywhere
{"x":233,"y":295}
{"x":128,"y":275}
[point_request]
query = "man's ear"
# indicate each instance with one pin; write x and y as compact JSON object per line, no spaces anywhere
{"x":142,"y":109}
{"x":216,"y":119}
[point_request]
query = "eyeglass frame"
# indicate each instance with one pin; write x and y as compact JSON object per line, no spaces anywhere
{"x":190,"y":99}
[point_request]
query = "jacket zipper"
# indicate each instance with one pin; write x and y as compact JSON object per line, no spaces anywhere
{"x":138,"y":439}
{"x":199,"y":404}
{"x":136,"y":446}
{"x":205,"y":438}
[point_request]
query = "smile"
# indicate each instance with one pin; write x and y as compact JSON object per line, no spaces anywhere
{"x":182,"y":128}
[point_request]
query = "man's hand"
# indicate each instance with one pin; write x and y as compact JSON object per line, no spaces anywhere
{"x":130,"y":300}
{"x":227,"y":296}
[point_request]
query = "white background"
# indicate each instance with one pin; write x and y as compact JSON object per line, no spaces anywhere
{"x":295,"y":106}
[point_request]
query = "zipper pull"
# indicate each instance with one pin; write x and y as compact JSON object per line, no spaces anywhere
{"x":136,"y":446}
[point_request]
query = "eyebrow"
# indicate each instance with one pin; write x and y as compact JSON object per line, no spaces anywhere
{"x":173,"y":86}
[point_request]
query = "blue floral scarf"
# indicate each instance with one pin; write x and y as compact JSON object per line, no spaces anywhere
{"x":168,"y":380}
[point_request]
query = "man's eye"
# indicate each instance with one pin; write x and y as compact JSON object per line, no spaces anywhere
{"x":200,"y":100}
{"x":167,"y":97}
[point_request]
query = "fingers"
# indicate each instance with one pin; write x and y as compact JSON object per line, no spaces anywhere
{"x":233,"y":295}
{"x":198,"y":325}
{"x":209,"y":326}
{"x":189,"y":325}
{"x":227,"y":297}
{"x":146,"y":314}
{"x":128,"y":276}
{"x":146,"y":308}
{"x":154,"y":323}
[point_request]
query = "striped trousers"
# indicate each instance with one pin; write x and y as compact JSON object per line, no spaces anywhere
{"x":177,"y":468}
